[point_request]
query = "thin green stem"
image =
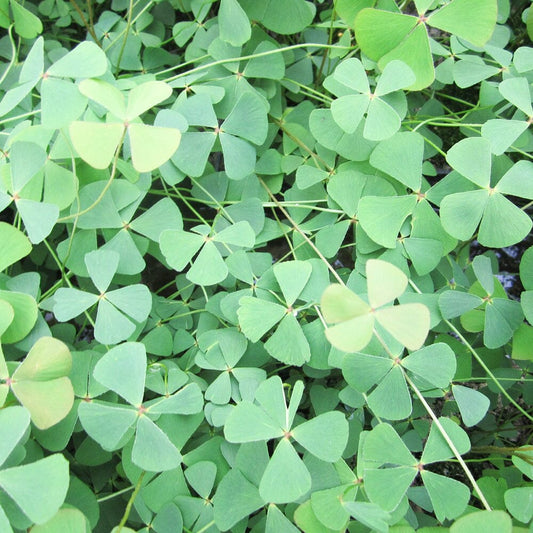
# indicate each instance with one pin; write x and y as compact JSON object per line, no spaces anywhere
{"x":126,"y":35}
{"x":206,"y":527}
{"x":253,"y":56}
{"x":127,"y":511}
{"x":449,"y":441}
{"x":88,"y":26}
{"x":23,"y":115}
{"x":13,"y":55}
{"x":115,"y":494}
{"x":494,"y":379}
{"x":302,"y":233}
{"x":104,"y":190}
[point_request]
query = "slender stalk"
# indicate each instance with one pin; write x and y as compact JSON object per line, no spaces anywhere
{"x":88,"y":26}
{"x":298,"y":229}
{"x":127,"y":512}
{"x":253,"y":56}
{"x":487,"y":370}
{"x":115,"y":494}
{"x":104,"y":190}
{"x":449,"y":441}
{"x":126,"y":35}
{"x":13,"y":55}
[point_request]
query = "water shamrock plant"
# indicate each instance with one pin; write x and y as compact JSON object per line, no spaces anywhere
{"x":266,"y":266}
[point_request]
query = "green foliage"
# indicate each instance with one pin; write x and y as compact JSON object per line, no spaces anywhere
{"x":266,"y":266}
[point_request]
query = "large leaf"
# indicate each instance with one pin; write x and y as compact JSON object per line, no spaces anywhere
{"x":325,"y":436}
{"x":123,"y":370}
{"x":151,"y":146}
{"x":38,"y":488}
{"x":95,"y":142}
{"x":286,"y":477}
{"x":14,"y":245}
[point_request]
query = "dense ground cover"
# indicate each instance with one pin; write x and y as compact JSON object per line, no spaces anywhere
{"x":266,"y":266}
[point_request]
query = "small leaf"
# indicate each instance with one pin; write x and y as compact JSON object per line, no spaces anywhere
{"x":391,"y":398}
{"x":472,"y":158}
{"x":249,"y":312}
{"x":106,"y":423}
{"x":236,"y":498}
{"x":292,"y":276}
{"x":437,"y":448}
{"x":249,"y":423}
{"x":286,"y":477}
{"x":233,"y":23}
{"x":487,"y":521}
{"x":38,"y":488}
{"x":325,"y":436}
{"x":27,"y":25}
{"x":106,"y":95}
{"x":96,"y":142}
{"x":401,"y":157}
{"x":473,"y":405}
{"x":145,"y":96}
{"x":385,"y":282}
{"x":435,"y":364}
{"x":17,"y":419}
{"x":152,"y":449}
{"x":382,"y":217}
{"x":86,"y":60}
{"x":14,"y":245}
{"x":407,"y":323}
{"x":288,"y":344}
{"x":123,"y":370}
{"x":151,"y":146}
{"x":448,"y":496}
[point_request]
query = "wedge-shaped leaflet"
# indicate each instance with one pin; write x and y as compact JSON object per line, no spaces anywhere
{"x":234,"y":24}
{"x":473,"y":405}
{"x":491,"y":521}
{"x":38,"y":488}
{"x":97,"y":142}
{"x":24,"y":310}
{"x":14,"y":245}
{"x":281,"y":16}
{"x":235,"y":499}
{"x":354,"y":320}
{"x":67,"y":520}
{"x":123,"y":370}
{"x":41,"y":382}
{"x":27,"y":25}
{"x":17,"y":419}
{"x":286,"y":477}
{"x":386,"y":36}
{"x":401,"y":157}
{"x":382,"y":217}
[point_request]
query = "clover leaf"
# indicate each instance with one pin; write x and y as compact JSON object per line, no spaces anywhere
{"x":118,"y":311}
{"x":386,"y":36}
{"x":382,"y":120}
{"x":390,"y":468}
{"x":123,"y":370}
{"x":355,"y":320}
{"x":97,"y":142}
{"x":501,"y":223}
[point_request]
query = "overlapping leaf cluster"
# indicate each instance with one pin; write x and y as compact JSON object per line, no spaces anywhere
{"x":254,"y":266}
